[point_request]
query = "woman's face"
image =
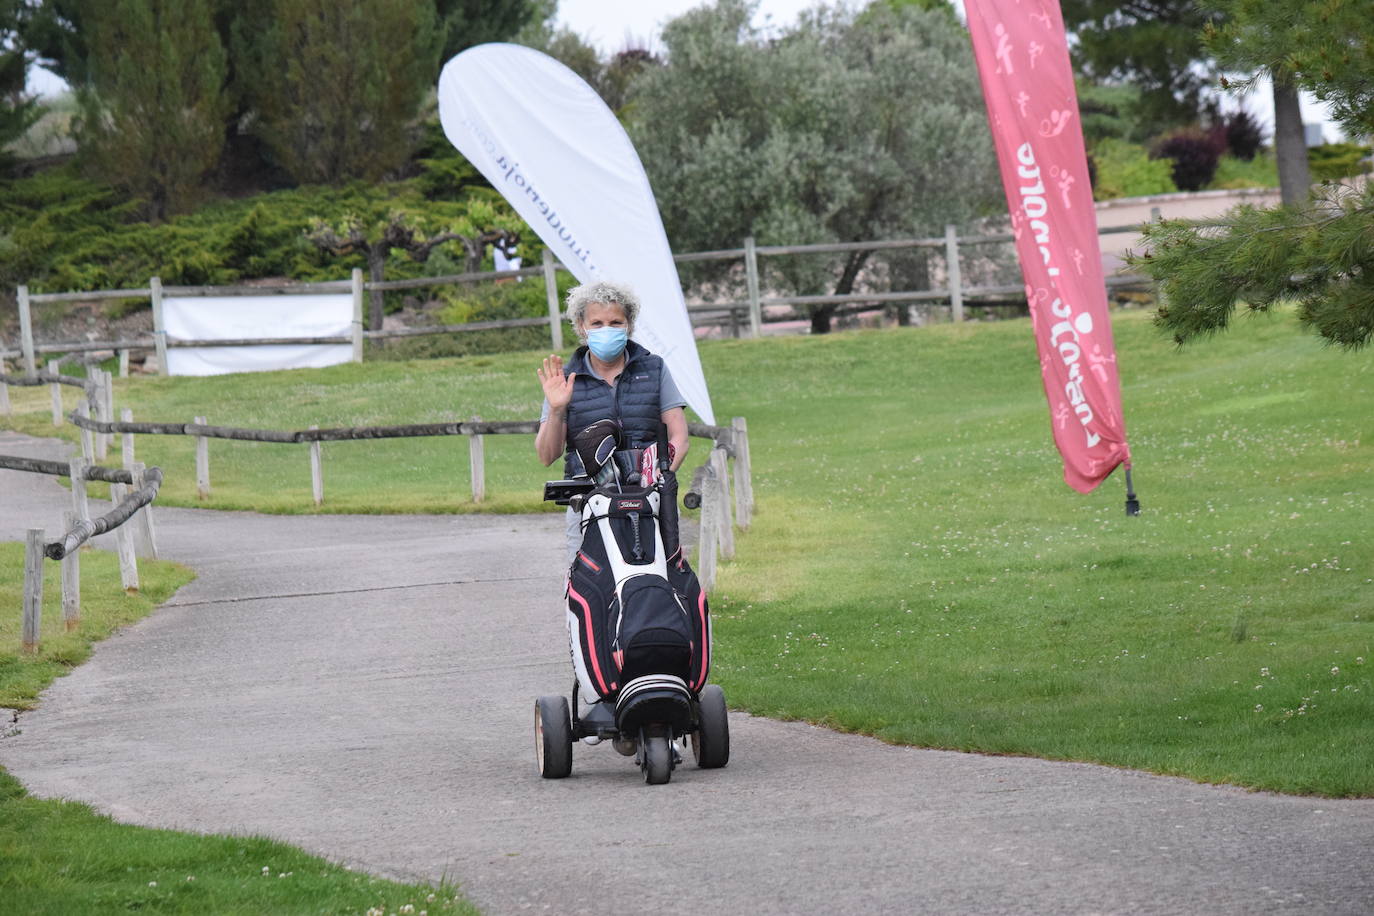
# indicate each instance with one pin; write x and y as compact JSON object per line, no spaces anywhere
{"x":604,"y":315}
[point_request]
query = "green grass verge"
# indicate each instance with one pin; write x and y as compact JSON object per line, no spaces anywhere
{"x":918,"y":571}
{"x":104,"y":608}
{"x":62,"y":857}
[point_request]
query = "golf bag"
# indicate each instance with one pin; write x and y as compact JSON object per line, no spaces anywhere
{"x":637,"y":616}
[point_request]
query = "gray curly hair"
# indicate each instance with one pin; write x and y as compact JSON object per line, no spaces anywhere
{"x":579,"y":297}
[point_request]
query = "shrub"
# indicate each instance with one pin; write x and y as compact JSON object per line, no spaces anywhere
{"x":1194,"y":155}
{"x":1334,"y":161}
{"x":1258,"y":172}
{"x":1244,"y":136}
{"x":1126,"y":170}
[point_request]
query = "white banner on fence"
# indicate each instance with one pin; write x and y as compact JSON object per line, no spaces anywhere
{"x":546,"y":141}
{"x":249,"y":317}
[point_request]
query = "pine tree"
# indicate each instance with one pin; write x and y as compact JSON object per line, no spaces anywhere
{"x":155,"y":102}
{"x":336,"y":85}
{"x":1318,"y":253}
{"x":18,"y":110}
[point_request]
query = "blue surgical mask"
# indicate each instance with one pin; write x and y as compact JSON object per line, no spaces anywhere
{"x":607,"y":344}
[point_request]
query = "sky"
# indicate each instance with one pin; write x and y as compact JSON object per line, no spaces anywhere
{"x":611,"y":25}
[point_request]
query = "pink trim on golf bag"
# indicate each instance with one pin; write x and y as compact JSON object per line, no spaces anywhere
{"x":587,"y":617}
{"x":705,"y":653}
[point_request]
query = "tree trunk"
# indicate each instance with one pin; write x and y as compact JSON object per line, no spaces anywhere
{"x":820,"y":318}
{"x":376,"y":265}
{"x":821,"y":314}
{"x":1290,"y":145}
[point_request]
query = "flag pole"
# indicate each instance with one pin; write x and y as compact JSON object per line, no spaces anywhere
{"x":1132,"y":504}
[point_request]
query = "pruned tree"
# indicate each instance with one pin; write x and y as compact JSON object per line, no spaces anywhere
{"x":335,"y":85}
{"x":154,"y":101}
{"x":400,"y":231}
{"x":1317,"y":253}
{"x":828,"y":132}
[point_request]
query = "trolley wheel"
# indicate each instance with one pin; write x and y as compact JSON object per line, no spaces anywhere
{"x":711,"y":740}
{"x":657,"y":759}
{"x":553,"y":739}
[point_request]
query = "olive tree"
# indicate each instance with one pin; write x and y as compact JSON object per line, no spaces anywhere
{"x":847,"y":127}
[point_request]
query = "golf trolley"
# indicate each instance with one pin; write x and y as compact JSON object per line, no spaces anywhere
{"x":639,"y":630}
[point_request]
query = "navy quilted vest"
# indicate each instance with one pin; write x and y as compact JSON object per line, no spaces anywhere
{"x":633,"y":401}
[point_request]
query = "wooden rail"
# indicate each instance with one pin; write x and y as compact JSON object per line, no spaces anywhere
{"x":731,"y":442}
{"x":85,"y":529}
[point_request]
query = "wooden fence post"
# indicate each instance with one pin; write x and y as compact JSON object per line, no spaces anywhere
{"x":56,"y":389}
{"x":551,"y":292}
{"x":145,"y":543}
{"x":316,"y":470}
{"x":71,"y":580}
{"x":727,"y":527}
{"x":956,"y":284}
{"x":751,"y":273}
{"x":76,"y":469}
{"x":356,"y":283}
{"x":5,"y":409}
{"x":159,"y":326}
{"x":124,"y":544}
{"x":202,"y":463}
{"x":26,"y":332}
{"x":126,"y":439}
{"x":33,"y":590}
{"x":102,"y":404}
{"x":744,"y":480}
{"x":708,"y":534}
{"x":477,"y":463}
{"x":108,"y":378}
{"x":123,"y":363}
{"x":83,"y":410}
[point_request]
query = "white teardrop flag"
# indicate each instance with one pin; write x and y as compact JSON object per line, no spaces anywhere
{"x":549,"y":144}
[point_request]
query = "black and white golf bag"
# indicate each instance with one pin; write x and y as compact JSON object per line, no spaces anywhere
{"x":638,"y":625}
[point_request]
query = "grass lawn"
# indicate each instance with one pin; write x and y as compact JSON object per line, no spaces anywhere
{"x":62,"y":857}
{"x":917,"y":569}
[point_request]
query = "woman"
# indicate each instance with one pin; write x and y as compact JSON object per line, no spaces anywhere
{"x":610,"y":376}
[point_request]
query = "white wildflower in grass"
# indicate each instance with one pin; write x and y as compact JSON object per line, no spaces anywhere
{"x":1264,"y":672}
{"x":152,"y":884}
{"x":1359,"y":660}
{"x":267,"y":869}
{"x":1259,"y":707}
{"x":408,"y":908}
{"x":190,"y":877}
{"x":429,"y":899}
{"x":1335,"y":670}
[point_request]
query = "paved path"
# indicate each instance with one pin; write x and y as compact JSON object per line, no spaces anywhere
{"x":362,"y":687}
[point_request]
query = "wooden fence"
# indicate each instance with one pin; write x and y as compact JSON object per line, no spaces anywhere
{"x":711,"y":488}
{"x":131,"y":542}
{"x":734,"y":314}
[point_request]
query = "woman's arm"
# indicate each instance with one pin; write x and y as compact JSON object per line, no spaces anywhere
{"x":675,"y":418}
{"x":558,"y":391}
{"x":553,"y":432}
